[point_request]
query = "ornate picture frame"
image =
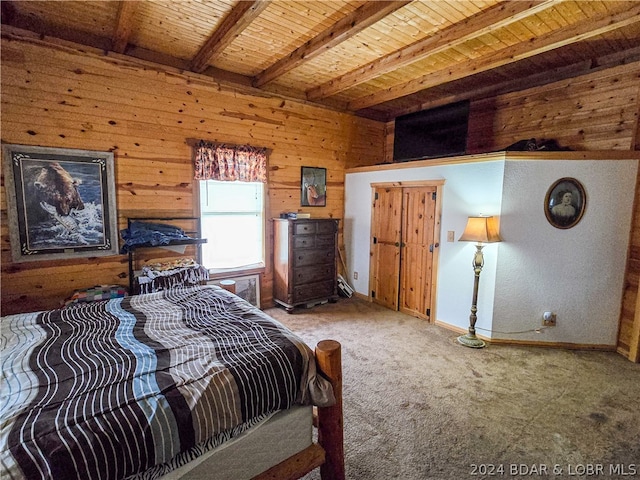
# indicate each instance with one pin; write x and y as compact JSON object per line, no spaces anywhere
{"x":313,"y":187}
{"x":565,"y":203}
{"x":61,"y":202}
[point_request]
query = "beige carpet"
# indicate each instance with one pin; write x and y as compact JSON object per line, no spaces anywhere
{"x":417,"y":405}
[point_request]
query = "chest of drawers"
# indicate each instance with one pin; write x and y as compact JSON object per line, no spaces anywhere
{"x":304,"y":261}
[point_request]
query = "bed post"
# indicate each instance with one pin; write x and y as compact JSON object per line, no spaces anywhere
{"x":330,"y":419}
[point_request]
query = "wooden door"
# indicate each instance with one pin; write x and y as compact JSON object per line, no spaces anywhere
{"x":403,"y":233}
{"x":416,"y":257}
{"x":384,"y":280}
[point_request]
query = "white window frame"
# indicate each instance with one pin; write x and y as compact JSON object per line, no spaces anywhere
{"x":259,"y":267}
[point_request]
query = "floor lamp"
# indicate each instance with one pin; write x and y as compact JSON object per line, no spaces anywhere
{"x":481,"y":229}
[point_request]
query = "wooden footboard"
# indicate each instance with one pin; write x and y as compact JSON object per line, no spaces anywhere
{"x":330,"y":419}
{"x":328,"y":453}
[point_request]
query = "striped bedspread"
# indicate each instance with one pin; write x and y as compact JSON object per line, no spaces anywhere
{"x":110,"y":389}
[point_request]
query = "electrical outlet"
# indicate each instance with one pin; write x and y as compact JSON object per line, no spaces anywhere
{"x":549,"y":319}
{"x":450,"y":236}
{"x":355,"y":275}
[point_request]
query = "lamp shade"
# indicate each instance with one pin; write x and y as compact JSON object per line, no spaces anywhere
{"x":481,"y":229}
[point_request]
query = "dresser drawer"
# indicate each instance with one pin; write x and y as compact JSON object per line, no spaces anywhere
{"x":325,"y":240}
{"x":326,"y":227}
{"x":304,"y":241}
{"x":311,"y":241}
{"x":304,"y":228}
{"x":313,"y":274}
{"x":311,"y":227}
{"x":317,"y":256}
{"x":312,"y":291}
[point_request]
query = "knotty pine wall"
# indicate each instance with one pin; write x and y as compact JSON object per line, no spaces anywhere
{"x":598,"y":111}
{"x":56,"y":95}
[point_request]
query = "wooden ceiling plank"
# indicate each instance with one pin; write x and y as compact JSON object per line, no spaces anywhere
{"x":13,"y":14}
{"x":493,"y":18}
{"x":507,"y":86}
{"x":482,"y":91}
{"x":363,"y":17}
{"x":574,"y":33}
{"x":124,"y":25}
{"x":238,"y":19}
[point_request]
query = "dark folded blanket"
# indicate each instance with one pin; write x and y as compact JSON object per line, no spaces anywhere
{"x":148,"y":233}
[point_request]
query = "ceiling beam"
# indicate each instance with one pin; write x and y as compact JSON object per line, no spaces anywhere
{"x":124,"y":25}
{"x":361,"y":18}
{"x":493,"y":18}
{"x":233,"y":25}
{"x":570,"y":34}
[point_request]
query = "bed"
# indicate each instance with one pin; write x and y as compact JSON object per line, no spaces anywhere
{"x":165,"y":385}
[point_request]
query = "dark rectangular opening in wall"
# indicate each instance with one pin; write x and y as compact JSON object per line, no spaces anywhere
{"x":437,"y":132}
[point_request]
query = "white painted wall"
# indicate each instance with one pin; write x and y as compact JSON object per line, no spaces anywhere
{"x":577,"y":273}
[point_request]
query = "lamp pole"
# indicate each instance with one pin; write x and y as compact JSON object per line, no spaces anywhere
{"x":470,"y":339}
{"x":479,"y":229}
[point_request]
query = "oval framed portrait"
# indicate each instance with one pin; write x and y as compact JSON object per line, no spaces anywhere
{"x":565,"y":203}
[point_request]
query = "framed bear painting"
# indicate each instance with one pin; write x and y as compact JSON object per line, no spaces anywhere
{"x":61,"y":203}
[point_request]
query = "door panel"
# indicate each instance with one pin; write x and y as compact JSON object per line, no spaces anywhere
{"x":418,"y":222}
{"x":385,"y":246}
{"x":403,"y":228}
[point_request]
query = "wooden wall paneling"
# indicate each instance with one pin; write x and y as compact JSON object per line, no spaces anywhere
{"x":597,"y":111}
{"x":629,"y":330}
{"x":43,"y":285}
{"x":233,"y":116}
{"x":634,"y":333}
{"x":390,"y":129}
{"x":628,"y":307}
{"x":54,"y":94}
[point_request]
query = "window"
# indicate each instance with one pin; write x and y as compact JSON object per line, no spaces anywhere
{"x":232,"y":189}
{"x":232,"y":216}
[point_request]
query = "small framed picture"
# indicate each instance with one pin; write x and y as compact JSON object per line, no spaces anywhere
{"x":565,"y":203}
{"x":313,"y":187}
{"x":247,"y":287}
{"x":61,"y":203}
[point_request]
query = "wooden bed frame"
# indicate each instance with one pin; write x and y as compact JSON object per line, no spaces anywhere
{"x":328,"y":453}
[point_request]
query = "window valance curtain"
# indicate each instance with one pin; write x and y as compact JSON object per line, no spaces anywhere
{"x":219,"y":161}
